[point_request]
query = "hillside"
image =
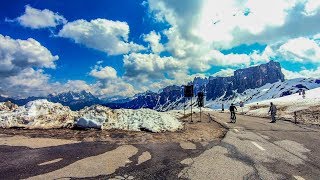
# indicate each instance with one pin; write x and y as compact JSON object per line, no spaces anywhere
{"x":171,"y":97}
{"x":307,"y":109}
{"x":268,"y":91}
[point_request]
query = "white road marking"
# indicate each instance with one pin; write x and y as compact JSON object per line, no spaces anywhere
{"x":299,"y":178}
{"x":236,"y":130}
{"x":50,"y":162}
{"x":258,"y":146}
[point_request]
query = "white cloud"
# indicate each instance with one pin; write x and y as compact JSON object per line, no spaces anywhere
{"x":153,"y":39}
{"x":265,"y":56}
{"x":224,"y":73}
{"x":312,"y":7}
{"x":109,"y":83}
{"x":74,"y":85}
{"x":313,"y":73}
{"x":181,"y":79}
{"x":28,"y":78}
{"x":28,"y":82}
{"x":36,"y":19}
{"x":230,"y":23}
{"x":104,"y":72}
{"x":195,"y":40}
{"x":230,"y":59}
{"x":16,"y":55}
{"x":216,"y":58}
{"x":150,"y":66}
{"x":300,"y":50}
{"x":101,"y":34}
{"x":116,"y":87}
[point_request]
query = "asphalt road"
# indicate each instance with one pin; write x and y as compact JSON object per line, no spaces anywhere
{"x":252,"y":149}
{"x":280,"y":150}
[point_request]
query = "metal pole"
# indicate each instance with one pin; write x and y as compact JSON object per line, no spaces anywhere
{"x":191,"y":109}
{"x":295,"y":117}
{"x":184,"y":106}
{"x":200,"y":114}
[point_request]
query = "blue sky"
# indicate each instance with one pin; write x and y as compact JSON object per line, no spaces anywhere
{"x":119,"y":48}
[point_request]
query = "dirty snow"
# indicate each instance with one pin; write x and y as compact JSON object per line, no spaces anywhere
{"x":42,"y":114}
{"x":7,"y":106}
{"x":94,"y":116}
{"x":127,"y":119}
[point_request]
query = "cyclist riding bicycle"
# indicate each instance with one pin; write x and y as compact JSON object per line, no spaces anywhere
{"x":233,"y":110}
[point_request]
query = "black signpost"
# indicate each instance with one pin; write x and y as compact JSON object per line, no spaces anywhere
{"x":188,"y":92}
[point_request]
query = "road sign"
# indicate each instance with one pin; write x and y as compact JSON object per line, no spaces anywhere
{"x":188,"y":91}
{"x":200,"y":99}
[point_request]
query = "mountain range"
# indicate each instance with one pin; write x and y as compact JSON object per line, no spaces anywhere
{"x":248,"y":85}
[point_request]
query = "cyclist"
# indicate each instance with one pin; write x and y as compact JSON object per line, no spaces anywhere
{"x":233,"y":110}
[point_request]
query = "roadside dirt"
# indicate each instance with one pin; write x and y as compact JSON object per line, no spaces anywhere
{"x":204,"y":131}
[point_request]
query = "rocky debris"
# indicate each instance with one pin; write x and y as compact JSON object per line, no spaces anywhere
{"x":307,"y":116}
{"x":8,"y":106}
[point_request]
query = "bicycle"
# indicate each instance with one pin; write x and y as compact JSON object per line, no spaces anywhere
{"x":233,"y":117}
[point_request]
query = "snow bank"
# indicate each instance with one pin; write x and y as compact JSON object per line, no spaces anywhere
{"x":38,"y":114}
{"x":94,"y":116}
{"x":143,"y":119}
{"x":126,"y":119}
{"x":42,"y":114}
{"x":307,"y":109}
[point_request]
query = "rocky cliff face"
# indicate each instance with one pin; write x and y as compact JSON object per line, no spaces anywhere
{"x":257,"y":76}
{"x":243,"y":79}
{"x":219,"y":86}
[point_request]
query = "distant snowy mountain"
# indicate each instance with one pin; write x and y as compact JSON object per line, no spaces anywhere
{"x":75,"y":100}
{"x":223,"y":88}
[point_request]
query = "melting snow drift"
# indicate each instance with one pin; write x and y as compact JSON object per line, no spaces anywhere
{"x":42,"y":114}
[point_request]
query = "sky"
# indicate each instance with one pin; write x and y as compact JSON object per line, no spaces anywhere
{"x":124,"y":47}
